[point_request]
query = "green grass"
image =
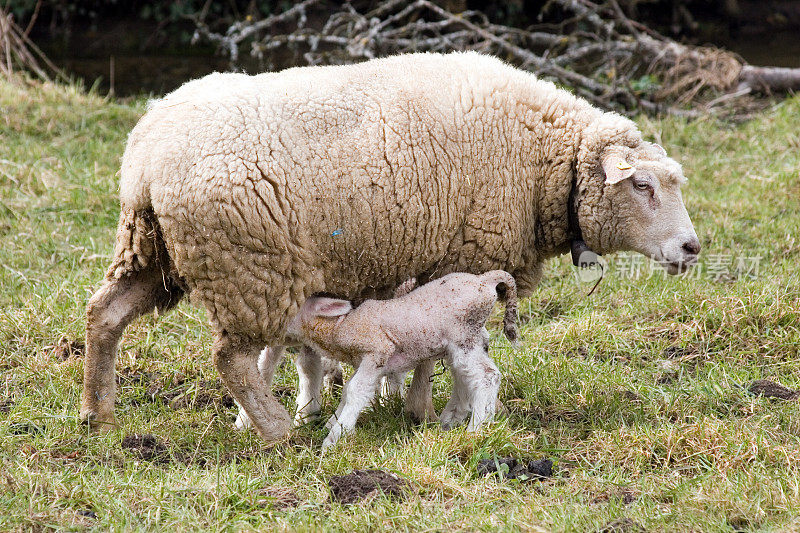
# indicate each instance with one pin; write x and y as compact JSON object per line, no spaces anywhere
{"x":674,"y":446}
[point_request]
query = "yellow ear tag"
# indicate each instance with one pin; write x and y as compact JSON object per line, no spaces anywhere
{"x":622,"y":165}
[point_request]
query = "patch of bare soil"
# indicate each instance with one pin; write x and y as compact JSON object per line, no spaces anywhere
{"x":67,"y":349}
{"x":770,"y":389}
{"x":147,"y":447}
{"x":177,"y":391}
{"x":622,"y":525}
{"x":512,"y":468}
{"x":626,"y":496}
{"x":6,"y":406}
{"x":280,"y":498}
{"x":26,"y":427}
{"x":366,"y":484}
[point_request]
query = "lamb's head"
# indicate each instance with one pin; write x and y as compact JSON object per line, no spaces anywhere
{"x":633,"y":202}
{"x":317,"y":319}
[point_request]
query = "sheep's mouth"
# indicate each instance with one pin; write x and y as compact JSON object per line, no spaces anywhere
{"x":679,"y":267}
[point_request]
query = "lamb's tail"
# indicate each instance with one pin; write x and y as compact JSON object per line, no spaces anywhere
{"x":506,"y":289}
{"x":404,"y":288}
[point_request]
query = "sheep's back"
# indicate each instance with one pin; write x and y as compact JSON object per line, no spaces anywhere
{"x":339,"y":179}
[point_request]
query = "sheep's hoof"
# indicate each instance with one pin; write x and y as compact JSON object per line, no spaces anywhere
{"x":96,"y":422}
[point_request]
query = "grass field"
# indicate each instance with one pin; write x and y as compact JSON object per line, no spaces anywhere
{"x":638,"y":393}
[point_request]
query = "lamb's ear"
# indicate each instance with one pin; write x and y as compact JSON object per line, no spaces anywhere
{"x":330,"y":307}
{"x":617,"y":169}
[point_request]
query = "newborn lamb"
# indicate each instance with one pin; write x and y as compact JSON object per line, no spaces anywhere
{"x":444,"y":319}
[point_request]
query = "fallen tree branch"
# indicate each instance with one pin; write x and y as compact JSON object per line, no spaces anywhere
{"x":19,"y":53}
{"x":592,"y":47}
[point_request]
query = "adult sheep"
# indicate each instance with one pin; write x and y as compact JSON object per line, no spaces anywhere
{"x":253,"y":193}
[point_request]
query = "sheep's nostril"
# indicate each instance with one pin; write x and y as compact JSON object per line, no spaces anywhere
{"x":692,"y":246}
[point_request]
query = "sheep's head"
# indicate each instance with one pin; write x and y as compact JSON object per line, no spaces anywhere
{"x":637,"y":205}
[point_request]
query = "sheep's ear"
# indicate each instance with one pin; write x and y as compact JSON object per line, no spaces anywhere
{"x":617,"y":169}
{"x":331,"y":307}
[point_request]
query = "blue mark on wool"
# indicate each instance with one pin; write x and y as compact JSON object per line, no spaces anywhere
{"x":337,"y":232}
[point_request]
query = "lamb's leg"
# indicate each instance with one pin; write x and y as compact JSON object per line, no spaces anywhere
{"x":236,"y":357}
{"x":393,"y":385}
{"x":332,"y":372}
{"x":419,"y":400}
{"x":482,"y":380}
{"x":268,"y":362}
{"x":358,"y":392}
{"x":115,"y":305}
{"x":457,"y":407}
{"x":309,"y":371}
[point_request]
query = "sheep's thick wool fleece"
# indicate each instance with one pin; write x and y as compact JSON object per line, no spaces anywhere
{"x":351,"y":179}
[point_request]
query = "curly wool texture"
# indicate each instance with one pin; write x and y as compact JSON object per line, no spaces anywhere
{"x":348,"y":180}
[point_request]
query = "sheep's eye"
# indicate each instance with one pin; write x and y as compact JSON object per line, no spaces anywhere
{"x":641,"y":185}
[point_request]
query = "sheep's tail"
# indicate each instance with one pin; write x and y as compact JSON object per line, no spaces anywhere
{"x":140,"y":246}
{"x":506,"y":289}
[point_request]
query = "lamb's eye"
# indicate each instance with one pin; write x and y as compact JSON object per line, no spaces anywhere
{"x":641,"y":185}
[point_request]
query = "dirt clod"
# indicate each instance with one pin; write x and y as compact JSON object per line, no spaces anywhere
{"x":146,"y":447}
{"x":770,"y":389}
{"x":630,"y":396}
{"x":512,"y":468}
{"x":622,"y":525}
{"x":87,"y":513}
{"x":67,"y":349}
{"x":363,"y":484}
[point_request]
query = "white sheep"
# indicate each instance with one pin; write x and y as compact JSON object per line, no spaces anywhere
{"x":254,"y":193}
{"x":444,"y":319}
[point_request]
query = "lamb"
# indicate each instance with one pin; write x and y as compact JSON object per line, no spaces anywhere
{"x":444,"y":319}
{"x":253,"y":193}
{"x":322,"y":369}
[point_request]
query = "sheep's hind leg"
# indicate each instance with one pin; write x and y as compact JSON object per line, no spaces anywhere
{"x":309,"y":371}
{"x":115,"y":305}
{"x":236,"y":360}
{"x":419,"y":400}
{"x":358,"y":392}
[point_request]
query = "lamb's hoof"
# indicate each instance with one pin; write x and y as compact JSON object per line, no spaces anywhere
{"x":97,"y":422}
{"x":332,"y":438}
{"x":307,"y":418}
{"x":242,"y":422}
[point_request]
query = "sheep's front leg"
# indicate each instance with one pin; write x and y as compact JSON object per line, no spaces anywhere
{"x":236,"y":357}
{"x":310,"y":372}
{"x":358,"y":392}
{"x":268,"y":362}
